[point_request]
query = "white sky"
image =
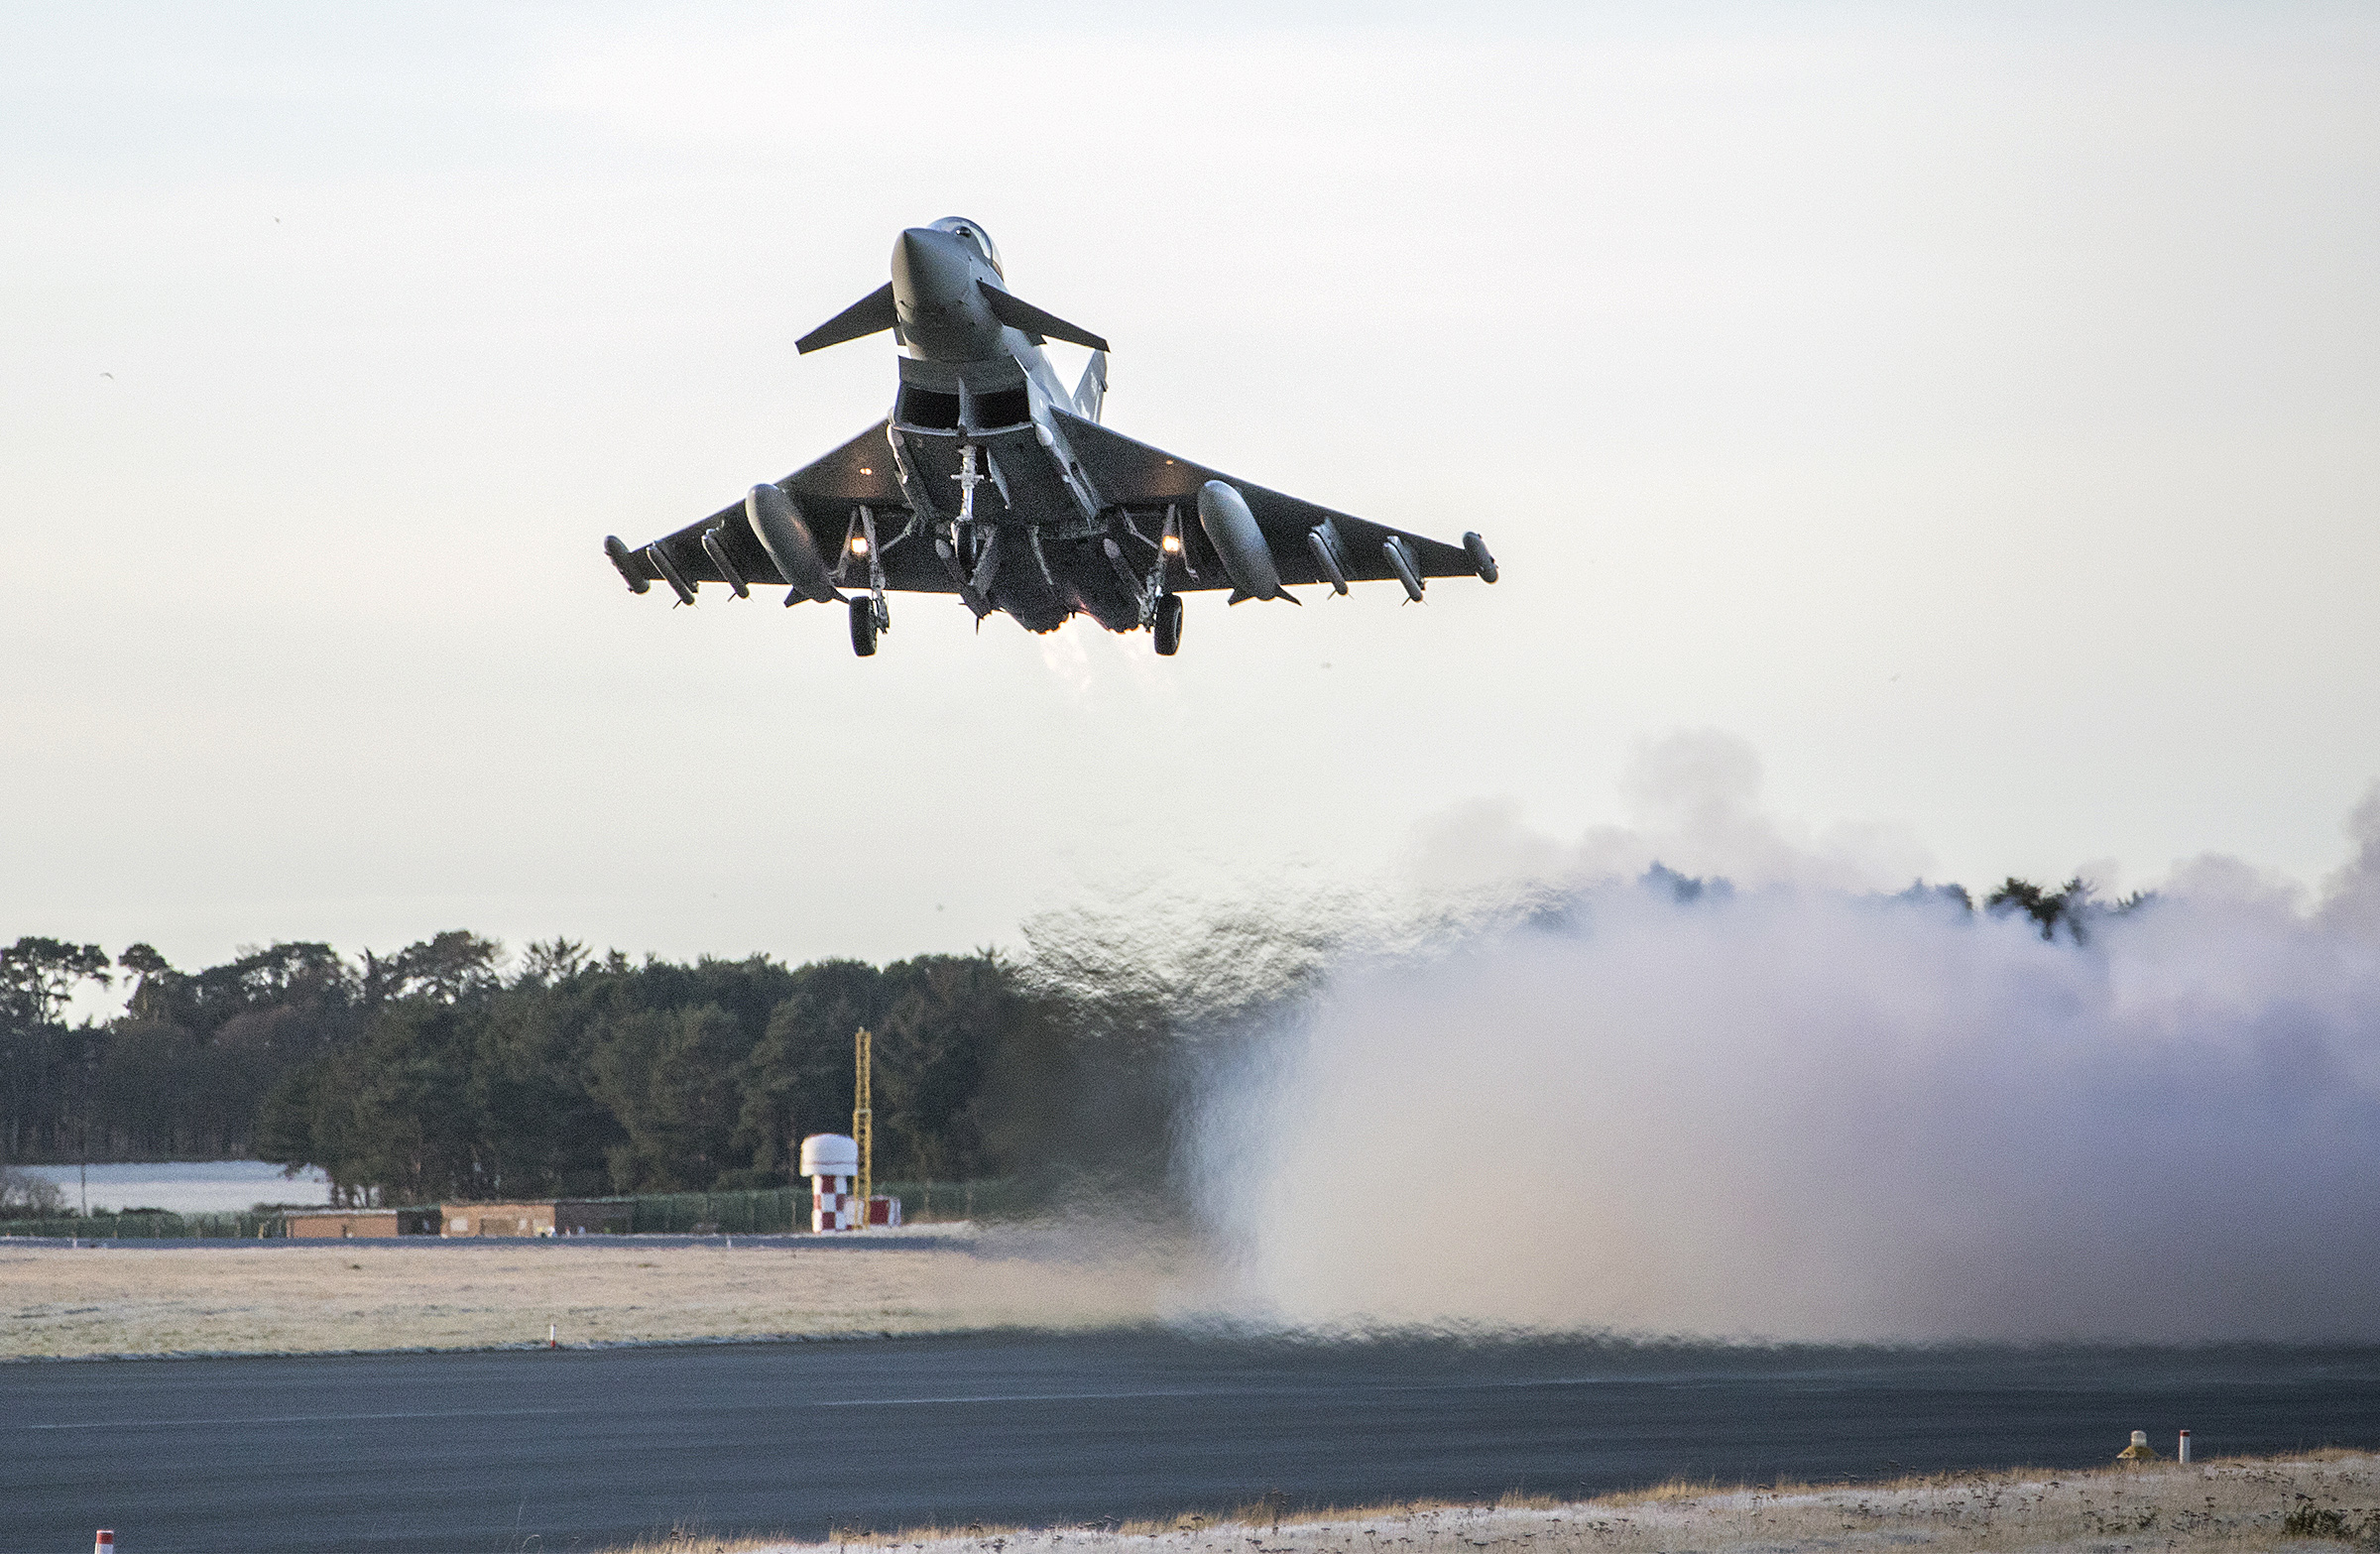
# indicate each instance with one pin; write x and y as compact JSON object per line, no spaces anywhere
{"x":1977,"y":412}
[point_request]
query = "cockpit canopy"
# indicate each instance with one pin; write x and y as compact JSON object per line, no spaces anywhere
{"x":972,"y":232}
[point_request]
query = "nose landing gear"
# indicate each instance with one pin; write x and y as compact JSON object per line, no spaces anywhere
{"x":863,"y":625}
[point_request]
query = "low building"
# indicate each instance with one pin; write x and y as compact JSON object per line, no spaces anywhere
{"x":344,"y":1224}
{"x":591,"y":1217}
{"x":555,"y":1217}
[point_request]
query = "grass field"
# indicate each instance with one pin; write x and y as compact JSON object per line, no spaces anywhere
{"x":2328,"y":1502}
{"x":272,"y":1299}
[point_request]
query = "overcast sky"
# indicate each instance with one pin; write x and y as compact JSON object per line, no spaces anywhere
{"x":1973,"y":411}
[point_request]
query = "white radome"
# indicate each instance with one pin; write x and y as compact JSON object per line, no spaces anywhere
{"x":830,"y":1154}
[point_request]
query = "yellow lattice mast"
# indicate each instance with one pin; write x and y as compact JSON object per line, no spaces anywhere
{"x":863,"y":1124}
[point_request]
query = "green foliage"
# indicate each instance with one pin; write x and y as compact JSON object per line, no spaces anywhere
{"x":2072,"y":906}
{"x":797,"y":1078}
{"x":45,"y":1067}
{"x":430,"y":1074}
{"x":670,"y":1077}
{"x":38,"y":976}
{"x":2049,"y":909}
{"x":390,"y":1116}
{"x":2305,"y":1520}
{"x":24,"y":1194}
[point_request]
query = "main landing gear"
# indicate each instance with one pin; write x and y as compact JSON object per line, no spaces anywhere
{"x":1169,"y":624}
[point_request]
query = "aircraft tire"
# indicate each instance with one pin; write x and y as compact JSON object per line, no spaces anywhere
{"x":863,"y":626}
{"x":1168,"y":625}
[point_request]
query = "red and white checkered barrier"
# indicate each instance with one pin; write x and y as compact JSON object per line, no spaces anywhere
{"x":832,"y":1162}
{"x":835,"y":1207}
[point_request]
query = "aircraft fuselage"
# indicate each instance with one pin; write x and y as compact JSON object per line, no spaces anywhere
{"x":975,"y":443}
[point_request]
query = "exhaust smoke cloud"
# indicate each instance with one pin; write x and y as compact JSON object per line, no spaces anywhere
{"x":1796,"y":1108}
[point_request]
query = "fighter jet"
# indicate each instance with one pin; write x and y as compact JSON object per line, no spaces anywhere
{"x":990,"y":482}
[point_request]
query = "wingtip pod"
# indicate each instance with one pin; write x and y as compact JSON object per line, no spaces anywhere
{"x":1481,"y":561}
{"x":619,"y":552}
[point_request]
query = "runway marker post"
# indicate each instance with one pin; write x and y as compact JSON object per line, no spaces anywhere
{"x":106,"y":1543}
{"x":552,"y":1328}
{"x":2182,"y":1452}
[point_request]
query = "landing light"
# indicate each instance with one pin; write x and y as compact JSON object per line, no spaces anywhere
{"x":1172,"y":545}
{"x":859,"y":545}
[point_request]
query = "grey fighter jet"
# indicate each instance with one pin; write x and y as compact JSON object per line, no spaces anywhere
{"x":990,"y":482}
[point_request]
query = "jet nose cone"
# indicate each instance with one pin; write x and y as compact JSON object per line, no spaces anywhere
{"x":924,"y":261}
{"x":935,"y":296}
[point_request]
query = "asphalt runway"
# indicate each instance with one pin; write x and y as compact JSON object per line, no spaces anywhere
{"x":581,"y":1449}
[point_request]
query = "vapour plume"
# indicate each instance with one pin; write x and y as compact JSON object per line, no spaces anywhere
{"x":2352,"y":898}
{"x":1798,"y":1108}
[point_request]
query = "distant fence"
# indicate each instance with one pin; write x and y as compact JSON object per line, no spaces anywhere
{"x":245,"y":1225}
{"x":757,"y":1213}
{"x":778,"y":1208}
{"x":761,"y":1212}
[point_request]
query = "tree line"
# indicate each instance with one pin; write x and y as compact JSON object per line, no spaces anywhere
{"x":446,"y":1071}
{"x":440,"y":1072}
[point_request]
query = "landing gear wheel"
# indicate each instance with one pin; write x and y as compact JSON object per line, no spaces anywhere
{"x":862,"y":628}
{"x":1168,"y":625}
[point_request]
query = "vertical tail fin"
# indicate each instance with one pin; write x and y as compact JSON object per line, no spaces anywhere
{"x":1093,"y":387}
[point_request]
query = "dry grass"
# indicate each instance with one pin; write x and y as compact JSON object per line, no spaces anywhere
{"x":59,"y":1303}
{"x":2236,"y":1503}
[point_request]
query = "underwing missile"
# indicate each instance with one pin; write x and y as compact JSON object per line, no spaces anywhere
{"x":727,"y":568}
{"x":1400,"y":561}
{"x":1323,"y":540}
{"x":958,"y":575}
{"x":659,"y":557}
{"x":1116,"y":562}
{"x":986,"y":565}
